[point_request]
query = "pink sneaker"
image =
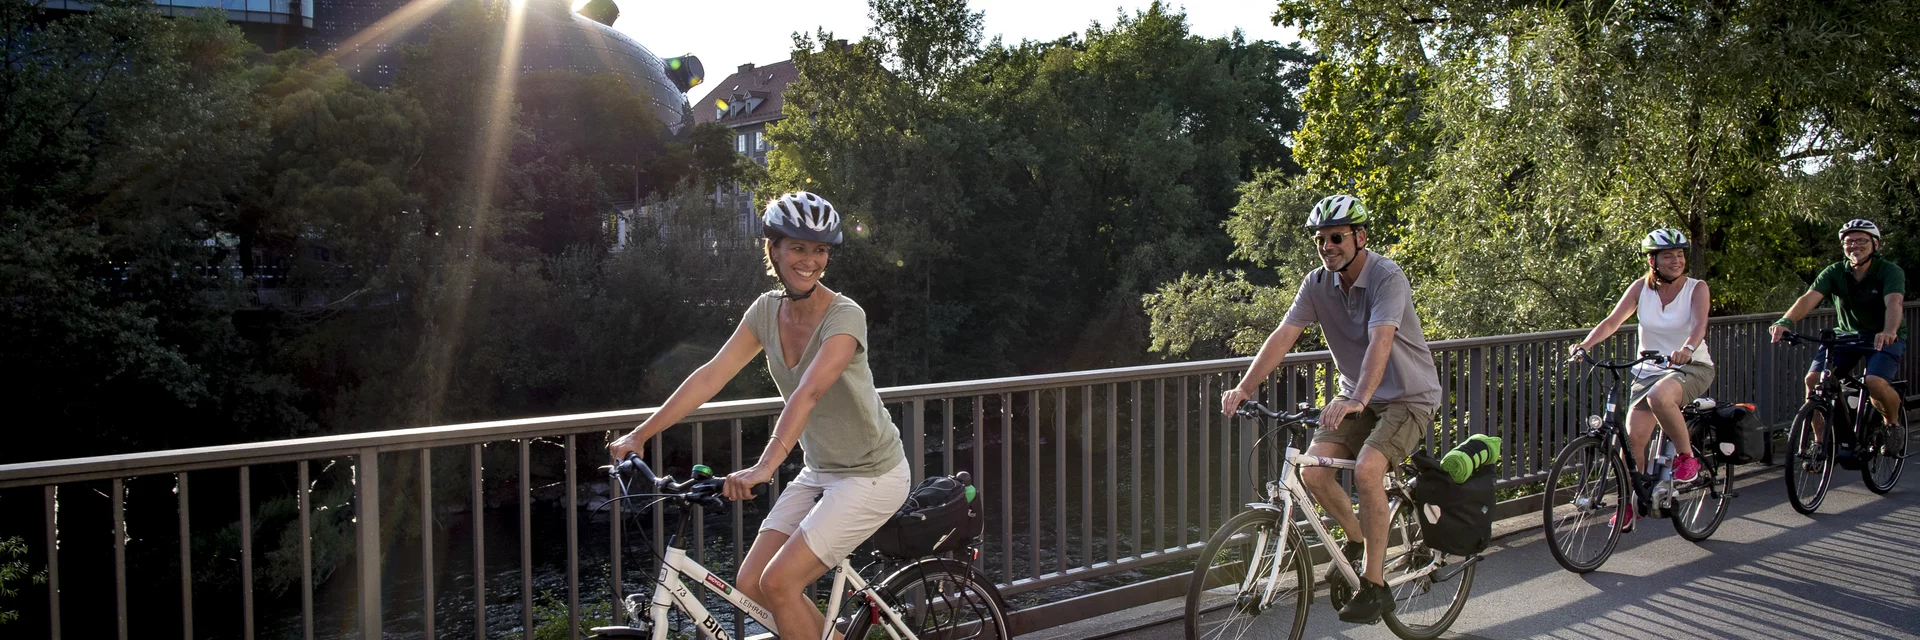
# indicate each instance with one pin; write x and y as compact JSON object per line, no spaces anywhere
{"x":1629,"y":526}
{"x":1685,"y":467}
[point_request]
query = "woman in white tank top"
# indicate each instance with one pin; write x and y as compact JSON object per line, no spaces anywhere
{"x":1672,"y":310}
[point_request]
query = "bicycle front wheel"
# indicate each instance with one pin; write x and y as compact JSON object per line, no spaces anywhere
{"x":936,"y":599}
{"x":1700,"y":514}
{"x":1244,"y":586}
{"x":1810,"y":450}
{"x":1423,"y":607}
{"x":1586,"y":504}
{"x":1883,"y":447}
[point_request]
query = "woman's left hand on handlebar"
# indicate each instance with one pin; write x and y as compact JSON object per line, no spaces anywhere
{"x":1680,"y":357}
{"x":740,"y":483}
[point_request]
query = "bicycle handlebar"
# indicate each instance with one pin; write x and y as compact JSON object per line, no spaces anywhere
{"x":1830,"y":339}
{"x":1306,"y":416}
{"x":701,"y":488}
{"x":1645,"y":356}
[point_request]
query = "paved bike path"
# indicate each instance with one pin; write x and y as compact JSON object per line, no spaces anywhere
{"x":1851,"y":571}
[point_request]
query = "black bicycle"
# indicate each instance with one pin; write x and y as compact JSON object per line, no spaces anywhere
{"x":1587,"y":487}
{"x":1877,"y":449}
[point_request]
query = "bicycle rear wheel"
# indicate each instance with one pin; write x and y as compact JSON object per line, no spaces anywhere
{"x":1697,"y":518}
{"x":1425,"y":606}
{"x":937,"y":599}
{"x":1586,"y":487}
{"x":1239,"y":583}
{"x":1809,"y":471}
{"x":1883,"y":448}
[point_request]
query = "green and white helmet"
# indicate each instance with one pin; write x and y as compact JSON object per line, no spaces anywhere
{"x":1336,"y":210}
{"x":1662,"y":239}
{"x":1862,"y":225}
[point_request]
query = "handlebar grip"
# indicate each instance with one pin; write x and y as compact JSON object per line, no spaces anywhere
{"x":963,"y":477}
{"x":638,"y":468}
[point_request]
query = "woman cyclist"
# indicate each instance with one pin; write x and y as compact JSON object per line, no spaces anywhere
{"x":816,"y":344}
{"x":1672,"y":310}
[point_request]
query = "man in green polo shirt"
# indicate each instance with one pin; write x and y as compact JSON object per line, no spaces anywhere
{"x":1869,"y":294}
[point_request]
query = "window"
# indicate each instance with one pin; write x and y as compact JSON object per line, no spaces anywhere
{"x":741,"y":144}
{"x":758,"y":143}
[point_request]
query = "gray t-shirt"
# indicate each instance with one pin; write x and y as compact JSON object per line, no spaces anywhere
{"x":1381,"y":296}
{"x":850,"y":432}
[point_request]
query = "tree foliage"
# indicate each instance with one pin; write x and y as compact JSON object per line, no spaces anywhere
{"x":1515,"y":152}
{"x":196,"y":233}
{"x":1012,"y":201}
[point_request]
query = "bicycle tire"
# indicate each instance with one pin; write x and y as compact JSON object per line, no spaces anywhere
{"x":1415,"y":616}
{"x":969,"y":605}
{"x":1214,"y":613}
{"x":1884,"y":449}
{"x":1575,"y":499}
{"x":1809,"y":478}
{"x":1686,"y":516}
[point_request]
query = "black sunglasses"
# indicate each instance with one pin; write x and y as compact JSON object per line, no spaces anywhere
{"x":1335,"y":238}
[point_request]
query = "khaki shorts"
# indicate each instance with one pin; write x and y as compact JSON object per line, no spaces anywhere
{"x":1694,"y":378}
{"x":838,"y":512}
{"x":1392,"y":428}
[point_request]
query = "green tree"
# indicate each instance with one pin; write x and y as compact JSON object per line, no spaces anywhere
{"x":1502,"y":144}
{"x":120,"y":139}
{"x":1012,"y":201}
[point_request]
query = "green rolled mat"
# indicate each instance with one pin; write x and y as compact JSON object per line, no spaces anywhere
{"x":1477,"y":450}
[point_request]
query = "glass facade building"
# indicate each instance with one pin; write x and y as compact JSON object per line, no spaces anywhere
{"x":283,"y":12}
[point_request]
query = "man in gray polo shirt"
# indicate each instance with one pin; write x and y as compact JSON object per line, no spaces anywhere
{"x":1388,"y":386}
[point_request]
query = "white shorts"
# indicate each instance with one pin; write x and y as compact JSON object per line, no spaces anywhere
{"x":847,"y":511}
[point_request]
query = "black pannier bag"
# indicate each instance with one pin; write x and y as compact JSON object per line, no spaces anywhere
{"x":1454,"y":518}
{"x":940,"y":515}
{"x":1742,"y":437}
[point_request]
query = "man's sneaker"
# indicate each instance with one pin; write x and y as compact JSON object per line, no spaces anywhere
{"x":1685,"y":467}
{"x":1629,"y":526}
{"x":1373,"y":601}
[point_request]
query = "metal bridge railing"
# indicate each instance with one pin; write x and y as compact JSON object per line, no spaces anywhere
{"x":1099,"y":487}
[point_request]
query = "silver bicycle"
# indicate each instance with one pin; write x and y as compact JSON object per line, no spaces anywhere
{"x":930,"y":598}
{"x":1255,"y":578}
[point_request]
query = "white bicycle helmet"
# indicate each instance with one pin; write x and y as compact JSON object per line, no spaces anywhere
{"x":802,"y":215}
{"x":1663,"y":239}
{"x":1336,"y":210}
{"x":1860,"y":224}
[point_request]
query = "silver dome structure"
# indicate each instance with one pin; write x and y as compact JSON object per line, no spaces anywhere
{"x":556,"y":38}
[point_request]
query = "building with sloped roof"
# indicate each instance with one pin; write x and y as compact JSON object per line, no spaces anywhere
{"x":746,"y":102}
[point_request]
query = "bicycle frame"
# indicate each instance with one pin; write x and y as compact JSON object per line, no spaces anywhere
{"x":1613,"y":435}
{"x":1293,"y":493}
{"x":670,"y":591}
{"x":1834,"y":388}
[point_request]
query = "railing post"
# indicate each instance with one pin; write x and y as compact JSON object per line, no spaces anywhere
{"x":1477,"y":390}
{"x":914,"y":423}
{"x":367,"y":512}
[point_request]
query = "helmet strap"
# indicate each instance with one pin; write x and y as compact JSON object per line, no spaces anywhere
{"x":1357,"y":250}
{"x":787,"y":289}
